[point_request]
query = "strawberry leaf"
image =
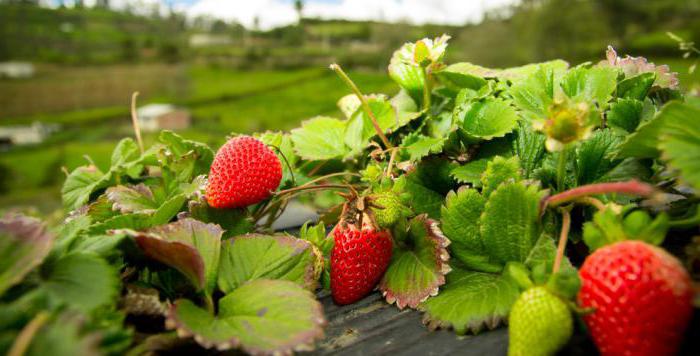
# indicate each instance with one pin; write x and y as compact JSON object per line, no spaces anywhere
{"x":593,"y":156}
{"x":636,"y":87}
{"x":487,"y":119}
{"x":424,"y":200}
{"x":595,"y":84}
{"x":460,"y":223}
{"x":250,"y":257}
{"x":625,"y":115}
{"x":680,"y":142}
{"x":529,"y":147}
{"x":509,"y":225}
{"x":234,"y":221}
{"x":185,"y":158}
{"x":284,"y":150}
{"x":132,"y":199}
{"x":498,"y":171}
{"x":24,"y":243}
{"x":81,"y":280}
{"x":320,"y":138}
{"x":417,"y":269}
{"x":471,"y":301}
{"x":458,"y":76}
{"x":470,"y":172}
{"x":260,"y":317}
{"x":81,"y":183}
{"x":190,"y":246}
{"x":417,"y":146}
{"x":534,"y":94}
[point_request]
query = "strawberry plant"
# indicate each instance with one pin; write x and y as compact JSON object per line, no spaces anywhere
{"x":471,"y":195}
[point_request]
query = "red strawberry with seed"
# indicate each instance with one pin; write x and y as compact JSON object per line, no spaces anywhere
{"x":361,"y":253}
{"x":244,"y":172}
{"x":641,"y":297}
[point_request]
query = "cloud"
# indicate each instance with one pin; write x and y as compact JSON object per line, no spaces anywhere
{"x":274,"y":13}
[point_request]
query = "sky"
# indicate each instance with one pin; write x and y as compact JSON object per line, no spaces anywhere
{"x":274,"y":13}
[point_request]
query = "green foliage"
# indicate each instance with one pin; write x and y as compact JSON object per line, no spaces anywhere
{"x":24,"y":243}
{"x":417,"y":268}
{"x":487,"y":119}
{"x":471,"y":302}
{"x":81,"y":280}
{"x":320,"y":138}
{"x":262,"y":316}
{"x":251,"y":257}
{"x":615,"y":224}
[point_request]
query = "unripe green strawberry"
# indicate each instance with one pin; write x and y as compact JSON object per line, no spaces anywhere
{"x":540,"y":323}
{"x":388,"y":209}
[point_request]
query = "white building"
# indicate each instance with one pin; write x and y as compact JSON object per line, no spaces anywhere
{"x":154,"y":117}
{"x":24,"y":135}
{"x":16,"y":70}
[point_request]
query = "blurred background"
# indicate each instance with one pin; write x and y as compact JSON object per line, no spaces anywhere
{"x":207,"y":68}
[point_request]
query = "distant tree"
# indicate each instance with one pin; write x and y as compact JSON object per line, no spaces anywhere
{"x":102,"y":4}
{"x":299,"y":7}
{"x":256,"y":23}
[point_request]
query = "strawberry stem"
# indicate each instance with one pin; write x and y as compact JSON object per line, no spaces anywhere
{"x":135,"y":121}
{"x":563,"y":237}
{"x":313,"y":187}
{"x":632,"y":187}
{"x":24,"y":339}
{"x":365,"y":105}
{"x":592,"y":201}
{"x":286,"y":162}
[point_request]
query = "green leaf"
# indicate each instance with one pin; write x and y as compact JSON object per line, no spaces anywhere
{"x":81,"y":183}
{"x":418,"y":269}
{"x":498,"y":171}
{"x":470,"y":301}
{"x":135,"y":221}
{"x":190,"y":246}
{"x":488,"y":119}
{"x":249,"y":257}
{"x":125,"y":151}
{"x":540,"y":260}
{"x":317,"y":236}
{"x":418,"y":146}
{"x":534,"y":94}
{"x":284,"y":149}
{"x":636,"y":87}
{"x":613,"y":225}
{"x":81,"y":280}
{"x":65,"y":336}
{"x":458,"y":76}
{"x":320,"y":138}
{"x":424,"y":200}
{"x":234,"y":221}
{"x":24,"y":243}
{"x":644,"y":143}
{"x":625,"y":114}
{"x":460,"y":223}
{"x":529,"y":148}
{"x":595,"y":84}
{"x":360,"y":128}
{"x":509,"y":224}
{"x":132,"y":199}
{"x":261,"y":317}
{"x":409,"y":78}
{"x":514,"y":74}
{"x":592,"y":156}
{"x":470,"y":172}
{"x":191,"y":158}
{"x":680,"y":142}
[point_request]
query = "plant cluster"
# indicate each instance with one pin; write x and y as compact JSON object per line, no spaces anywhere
{"x":461,"y":197}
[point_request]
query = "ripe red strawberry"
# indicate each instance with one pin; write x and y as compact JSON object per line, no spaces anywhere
{"x":360,"y":256}
{"x":244,"y":172}
{"x":641,"y":296}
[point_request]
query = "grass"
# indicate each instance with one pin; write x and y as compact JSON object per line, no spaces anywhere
{"x":221,"y":101}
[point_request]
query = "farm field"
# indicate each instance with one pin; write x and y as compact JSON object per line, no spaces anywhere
{"x":221,"y":102}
